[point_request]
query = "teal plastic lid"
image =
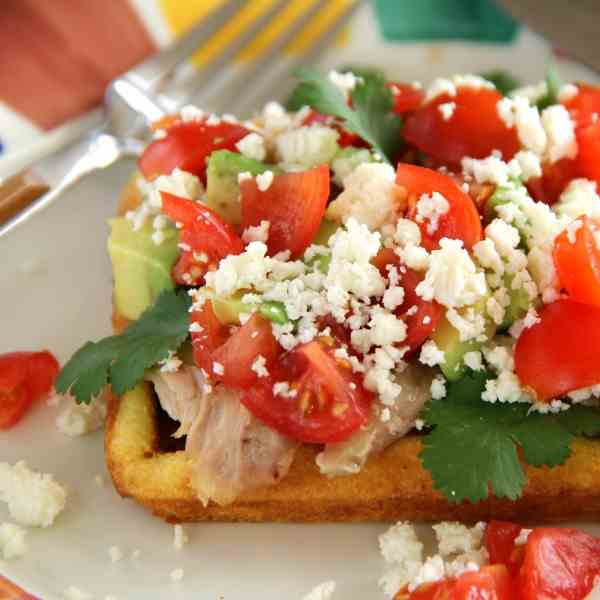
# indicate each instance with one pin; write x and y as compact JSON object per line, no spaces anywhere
{"x":477,"y":20}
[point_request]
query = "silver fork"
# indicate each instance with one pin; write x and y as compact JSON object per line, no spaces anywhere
{"x":139,"y":97}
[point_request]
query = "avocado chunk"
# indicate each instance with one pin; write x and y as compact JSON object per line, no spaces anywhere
{"x":228,"y":310}
{"x":222,"y":187}
{"x":519,"y":303}
{"x":141,"y":269}
{"x":447,"y":339}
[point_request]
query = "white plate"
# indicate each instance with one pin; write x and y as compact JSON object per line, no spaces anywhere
{"x":55,"y":286}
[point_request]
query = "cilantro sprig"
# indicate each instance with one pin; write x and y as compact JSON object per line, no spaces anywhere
{"x":473,"y":446}
{"x":121,"y":360}
{"x":371,"y":115}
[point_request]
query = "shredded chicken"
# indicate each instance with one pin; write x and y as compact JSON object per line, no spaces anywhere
{"x":348,"y":457}
{"x":179,"y":394}
{"x":231,"y":451}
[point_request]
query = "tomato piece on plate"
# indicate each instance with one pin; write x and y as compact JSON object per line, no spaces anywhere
{"x":207,"y":235}
{"x":584,"y":104}
{"x":499,"y":541}
{"x":488,"y":583}
{"x":24,"y":378}
{"x":421,"y":316}
{"x":588,"y":141}
{"x":559,"y":354}
{"x":561,"y":564}
{"x":236,"y":352}
{"x":475,"y":128}
{"x":554,"y":179}
{"x":577,"y":262}
{"x":406,"y":97}
{"x":294,"y":205}
{"x":187,"y":146}
{"x":462,"y":221}
{"x":326,"y":402}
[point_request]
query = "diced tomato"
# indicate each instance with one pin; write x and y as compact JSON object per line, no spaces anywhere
{"x":327,"y":401}
{"x":346,"y":138}
{"x":560,"y":353}
{"x":205,"y":232}
{"x":294,"y":205}
{"x":462,"y":221}
{"x":488,"y":583}
{"x":235,"y":353}
{"x":588,"y":141}
{"x":578,"y":263}
{"x":584,"y":104}
{"x":560,"y":564}
{"x":475,"y":129}
{"x":187,"y":146}
{"x":554,"y":179}
{"x":421,"y":316}
{"x":499,"y":541}
{"x":24,"y":378}
{"x":406,"y":97}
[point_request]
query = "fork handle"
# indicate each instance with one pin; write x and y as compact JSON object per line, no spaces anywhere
{"x":18,"y":192}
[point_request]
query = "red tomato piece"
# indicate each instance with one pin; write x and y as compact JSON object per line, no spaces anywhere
{"x":462,"y":221}
{"x":578,"y":263}
{"x":588,"y":141}
{"x":235,"y":352}
{"x":560,"y":353}
{"x":474,"y":129}
{"x":294,"y":205}
{"x":421,"y":316}
{"x":561,"y":564}
{"x":554,"y":179}
{"x":187,"y":146}
{"x":24,"y":378}
{"x":327,"y":401}
{"x":205,"y":232}
{"x":584,"y":104}
{"x":406,"y":97}
{"x":488,"y":583}
{"x":499,"y":541}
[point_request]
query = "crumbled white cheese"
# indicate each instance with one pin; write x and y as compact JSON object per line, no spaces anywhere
{"x":190,"y":113}
{"x":345,"y":82}
{"x":438,"y":87}
{"x":369,"y":196}
{"x":282,"y":388}
{"x":431,"y":355}
{"x":393,"y":297}
{"x":532,"y":93}
{"x":407,"y":233}
{"x":252,"y":146}
{"x":521,"y":539}
{"x":275,"y":118}
{"x":567,"y":92}
{"x":259,"y":366}
{"x":572,"y":228}
{"x":447,"y":110}
{"x":177,"y":575}
{"x":79,"y":419}
{"x":258,"y":233}
{"x":452,"y":278}
{"x":180,"y":538}
{"x":433,"y":569}
{"x":541,"y":266}
{"x":529,"y":164}
{"x":430,"y":208}
{"x":469,"y":323}
{"x":171,"y":363}
{"x":400,"y":543}
{"x":264,"y":180}
{"x":324,"y":591}
{"x":12,"y":541}
{"x":517,"y":112}
{"x":33,"y":499}
{"x":455,"y":538}
{"x":473,"y":360}
{"x":218,"y":368}
{"x":345,"y":162}
{"x":579,"y":198}
{"x":560,"y":131}
{"x":307,"y":146}
{"x":438,"y":387}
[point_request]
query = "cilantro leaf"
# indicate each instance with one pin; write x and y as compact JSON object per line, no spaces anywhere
{"x":371,"y":116}
{"x":121,"y":360}
{"x":504,"y":81}
{"x":472,"y":447}
{"x":553,"y":85}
